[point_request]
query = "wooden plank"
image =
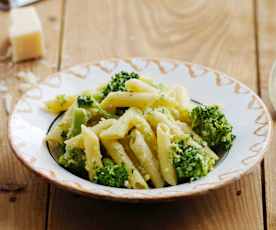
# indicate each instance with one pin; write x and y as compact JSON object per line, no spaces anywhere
{"x":266,"y":24}
{"x":23,"y":196}
{"x":205,"y":32}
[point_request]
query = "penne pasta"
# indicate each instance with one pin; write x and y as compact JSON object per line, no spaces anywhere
{"x":164,"y":154}
{"x":116,"y":151}
{"x":133,"y":158}
{"x":175,"y":101}
{"x":121,"y":127}
{"x":175,"y":113}
{"x":131,"y":118}
{"x":135,"y":85}
{"x":77,"y":141}
{"x":92,"y":151}
{"x":166,"y":101}
{"x":128,"y":99}
{"x":146,"y":158}
{"x":56,"y":133}
{"x":59,"y":104}
{"x":102,"y":125}
{"x":68,"y":117}
{"x":156,"y":117}
{"x":179,"y":93}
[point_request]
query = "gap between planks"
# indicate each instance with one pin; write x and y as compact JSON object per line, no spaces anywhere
{"x":60,"y":51}
{"x":259,"y":92}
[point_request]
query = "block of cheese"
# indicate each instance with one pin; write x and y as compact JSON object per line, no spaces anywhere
{"x":26,"y":34}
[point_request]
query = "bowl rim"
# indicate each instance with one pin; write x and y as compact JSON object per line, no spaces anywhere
{"x":154,"y":197}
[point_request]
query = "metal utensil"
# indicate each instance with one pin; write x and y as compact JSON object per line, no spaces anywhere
{"x":272,"y":86}
{"x":8,"y":4}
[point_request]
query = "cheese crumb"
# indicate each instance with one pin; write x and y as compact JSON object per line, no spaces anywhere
{"x":26,"y":34}
{"x":28,"y":77}
{"x":28,"y":80}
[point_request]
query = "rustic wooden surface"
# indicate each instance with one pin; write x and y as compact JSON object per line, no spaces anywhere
{"x":23,"y":196}
{"x":232,"y":36}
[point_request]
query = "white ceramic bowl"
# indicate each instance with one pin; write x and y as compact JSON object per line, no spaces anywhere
{"x":245,"y":110}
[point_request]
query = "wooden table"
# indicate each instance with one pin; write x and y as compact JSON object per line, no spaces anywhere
{"x":237,"y":37}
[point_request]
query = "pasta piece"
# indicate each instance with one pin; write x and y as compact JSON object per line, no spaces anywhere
{"x":181,"y":96}
{"x":184,"y":115}
{"x":156,"y":117}
{"x":133,"y":158}
{"x":56,"y":133}
{"x":164,"y":154}
{"x":161,"y":87}
{"x":131,"y":118}
{"x":118,"y":154}
{"x":92,"y":151}
{"x":102,"y":125}
{"x":77,"y":141}
{"x":198,"y":139}
{"x":68,"y":117}
{"x":121,"y":127}
{"x":174,"y":101}
{"x":166,"y":101}
{"x":146,"y":158}
{"x":135,"y":85}
{"x":128,"y":99}
{"x":175,"y":113}
{"x":144,"y":127}
{"x":179,"y":93}
{"x":59,"y":104}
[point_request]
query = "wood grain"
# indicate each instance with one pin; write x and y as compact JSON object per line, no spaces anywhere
{"x":23,"y":196}
{"x":216,"y":33}
{"x":266,"y":24}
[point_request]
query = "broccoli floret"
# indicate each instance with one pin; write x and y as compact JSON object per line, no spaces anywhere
{"x":87,"y":101}
{"x":211,"y":124}
{"x":117,"y":82}
{"x":111,"y":174}
{"x":74,"y":161}
{"x":190,"y":162}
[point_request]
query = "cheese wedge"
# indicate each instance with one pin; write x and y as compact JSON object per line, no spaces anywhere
{"x":26,"y":34}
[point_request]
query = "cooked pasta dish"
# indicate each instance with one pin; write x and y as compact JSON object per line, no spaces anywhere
{"x":134,"y":133}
